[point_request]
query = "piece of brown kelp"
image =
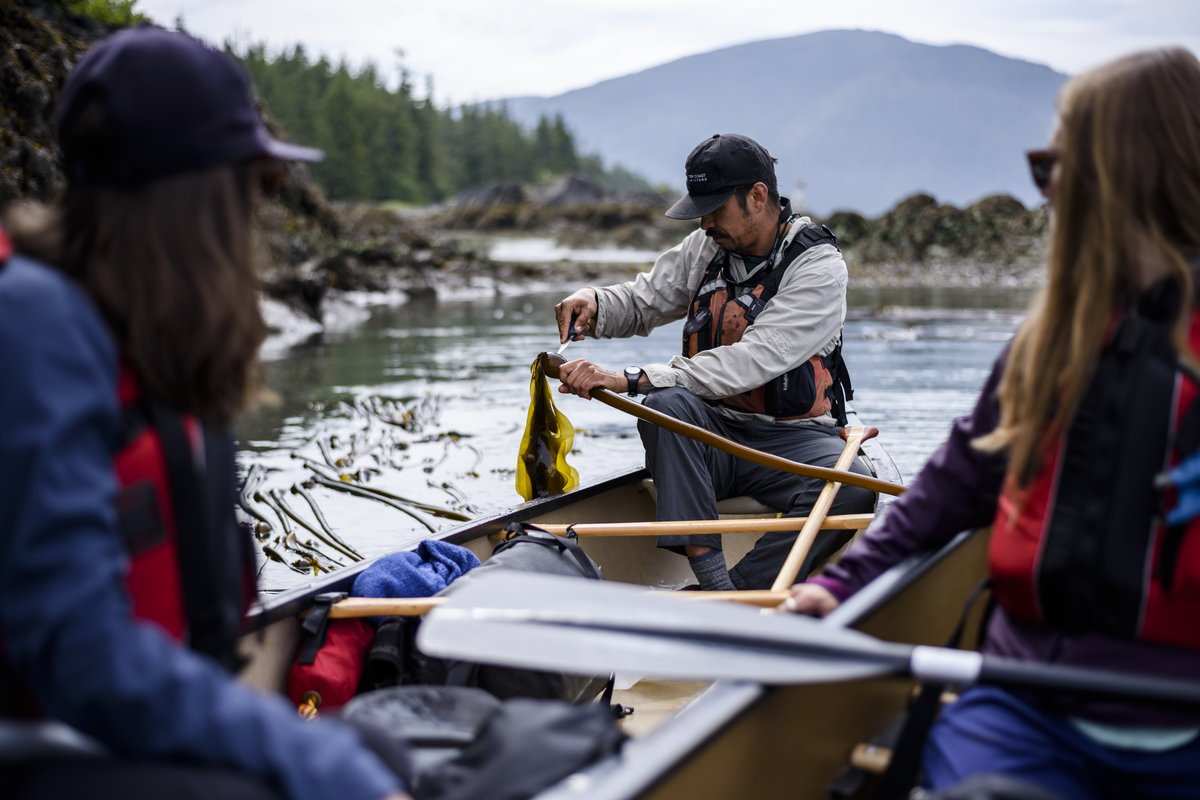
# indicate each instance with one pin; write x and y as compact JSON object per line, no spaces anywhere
{"x":542,"y":467}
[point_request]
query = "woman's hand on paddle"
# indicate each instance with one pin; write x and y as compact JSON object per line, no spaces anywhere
{"x":811,"y":599}
{"x":580,"y":307}
{"x":580,"y":377}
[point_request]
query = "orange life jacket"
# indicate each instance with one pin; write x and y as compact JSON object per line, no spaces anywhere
{"x":718,"y":315}
{"x":1083,"y":546}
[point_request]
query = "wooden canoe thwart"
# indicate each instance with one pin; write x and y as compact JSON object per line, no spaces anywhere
{"x":751,"y":731}
{"x":419,"y":606}
{"x":840,"y":522}
{"x":383,"y":607}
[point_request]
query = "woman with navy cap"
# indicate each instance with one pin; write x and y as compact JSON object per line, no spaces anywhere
{"x":123,"y":577}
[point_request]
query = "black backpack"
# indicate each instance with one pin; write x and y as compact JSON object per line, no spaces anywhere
{"x":395,"y":660}
{"x":461,"y":743}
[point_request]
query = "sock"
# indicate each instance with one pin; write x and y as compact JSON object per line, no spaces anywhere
{"x":736,"y":578}
{"x":711,"y":572}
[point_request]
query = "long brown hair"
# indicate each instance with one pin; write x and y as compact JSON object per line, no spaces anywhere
{"x":168,"y":265}
{"x":1127,"y":200}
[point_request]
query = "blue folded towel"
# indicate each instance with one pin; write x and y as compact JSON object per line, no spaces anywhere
{"x":420,"y":573}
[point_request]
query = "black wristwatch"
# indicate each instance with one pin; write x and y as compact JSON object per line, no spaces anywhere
{"x":633,"y":375}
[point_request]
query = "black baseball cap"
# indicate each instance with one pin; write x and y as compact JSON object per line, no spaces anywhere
{"x":716,"y":168}
{"x":170,"y":104}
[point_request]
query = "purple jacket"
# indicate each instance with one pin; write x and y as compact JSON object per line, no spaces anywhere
{"x":958,"y":490}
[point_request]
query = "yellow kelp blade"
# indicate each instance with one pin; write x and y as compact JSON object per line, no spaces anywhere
{"x":542,"y":467}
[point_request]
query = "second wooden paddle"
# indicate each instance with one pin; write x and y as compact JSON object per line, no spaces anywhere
{"x":854,"y":435}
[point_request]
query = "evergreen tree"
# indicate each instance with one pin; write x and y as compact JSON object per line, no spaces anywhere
{"x":385,"y":144}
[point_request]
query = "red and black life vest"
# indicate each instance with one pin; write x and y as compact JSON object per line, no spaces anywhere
{"x":191,"y":567}
{"x":719,"y":315}
{"x":1083,"y":546}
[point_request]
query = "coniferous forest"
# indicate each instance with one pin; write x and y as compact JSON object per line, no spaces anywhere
{"x":388,"y":144}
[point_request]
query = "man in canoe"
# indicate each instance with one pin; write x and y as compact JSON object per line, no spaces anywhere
{"x":764,"y":293}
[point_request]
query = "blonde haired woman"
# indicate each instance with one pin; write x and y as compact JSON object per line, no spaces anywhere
{"x":1094,"y":397}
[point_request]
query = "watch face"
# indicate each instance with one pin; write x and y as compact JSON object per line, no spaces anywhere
{"x":633,"y":372}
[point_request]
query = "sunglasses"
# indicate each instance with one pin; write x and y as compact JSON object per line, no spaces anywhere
{"x":1041,"y":166}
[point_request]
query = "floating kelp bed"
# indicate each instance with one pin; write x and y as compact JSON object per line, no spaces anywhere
{"x":357,"y":448}
{"x":542,"y":468}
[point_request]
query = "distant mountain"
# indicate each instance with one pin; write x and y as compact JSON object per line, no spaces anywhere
{"x":862,"y":118}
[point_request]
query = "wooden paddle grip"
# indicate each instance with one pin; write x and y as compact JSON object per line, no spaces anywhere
{"x":553,"y":362}
{"x":864,"y":432}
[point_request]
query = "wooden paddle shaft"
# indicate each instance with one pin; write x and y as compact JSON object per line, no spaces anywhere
{"x":684,"y":528}
{"x":353,"y":607}
{"x":553,"y":362}
{"x":854,"y":436}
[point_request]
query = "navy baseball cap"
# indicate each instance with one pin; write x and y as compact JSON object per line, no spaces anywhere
{"x":169,"y":104}
{"x":718,"y":167}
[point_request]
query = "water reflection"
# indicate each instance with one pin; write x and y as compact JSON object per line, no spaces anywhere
{"x":917,"y":358}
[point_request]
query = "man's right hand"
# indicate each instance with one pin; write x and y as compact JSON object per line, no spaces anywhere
{"x":580,"y":307}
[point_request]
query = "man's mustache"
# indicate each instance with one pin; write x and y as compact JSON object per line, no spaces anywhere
{"x":712,"y":233}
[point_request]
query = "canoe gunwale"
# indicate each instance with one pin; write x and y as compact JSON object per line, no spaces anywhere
{"x":880,"y":591}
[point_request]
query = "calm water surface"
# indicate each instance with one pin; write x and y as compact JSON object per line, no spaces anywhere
{"x":428,"y":401}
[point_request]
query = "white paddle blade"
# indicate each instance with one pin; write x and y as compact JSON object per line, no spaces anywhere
{"x":532,"y":621}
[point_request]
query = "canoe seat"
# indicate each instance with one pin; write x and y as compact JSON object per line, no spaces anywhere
{"x":729,"y":508}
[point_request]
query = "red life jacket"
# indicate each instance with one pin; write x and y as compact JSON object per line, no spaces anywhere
{"x":1083,"y":547}
{"x":718,"y":315}
{"x":191,"y":568}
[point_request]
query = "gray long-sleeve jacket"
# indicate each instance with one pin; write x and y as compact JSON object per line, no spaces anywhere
{"x":802,"y":320}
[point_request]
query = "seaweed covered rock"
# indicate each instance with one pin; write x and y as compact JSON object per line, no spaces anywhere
{"x":995,"y":241}
{"x":306,"y":245}
{"x":40,"y":41}
{"x":575,"y":209}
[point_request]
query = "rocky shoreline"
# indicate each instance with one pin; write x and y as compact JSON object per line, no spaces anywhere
{"x":314,"y":248}
{"x":996,"y":242}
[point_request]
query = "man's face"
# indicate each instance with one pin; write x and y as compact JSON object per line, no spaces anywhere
{"x":731,"y":227}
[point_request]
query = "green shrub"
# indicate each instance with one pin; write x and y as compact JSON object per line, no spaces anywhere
{"x":113,"y":12}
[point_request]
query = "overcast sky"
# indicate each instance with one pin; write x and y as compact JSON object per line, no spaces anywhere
{"x":485,"y":49}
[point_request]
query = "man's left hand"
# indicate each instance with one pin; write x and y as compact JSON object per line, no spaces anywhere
{"x":580,"y":377}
